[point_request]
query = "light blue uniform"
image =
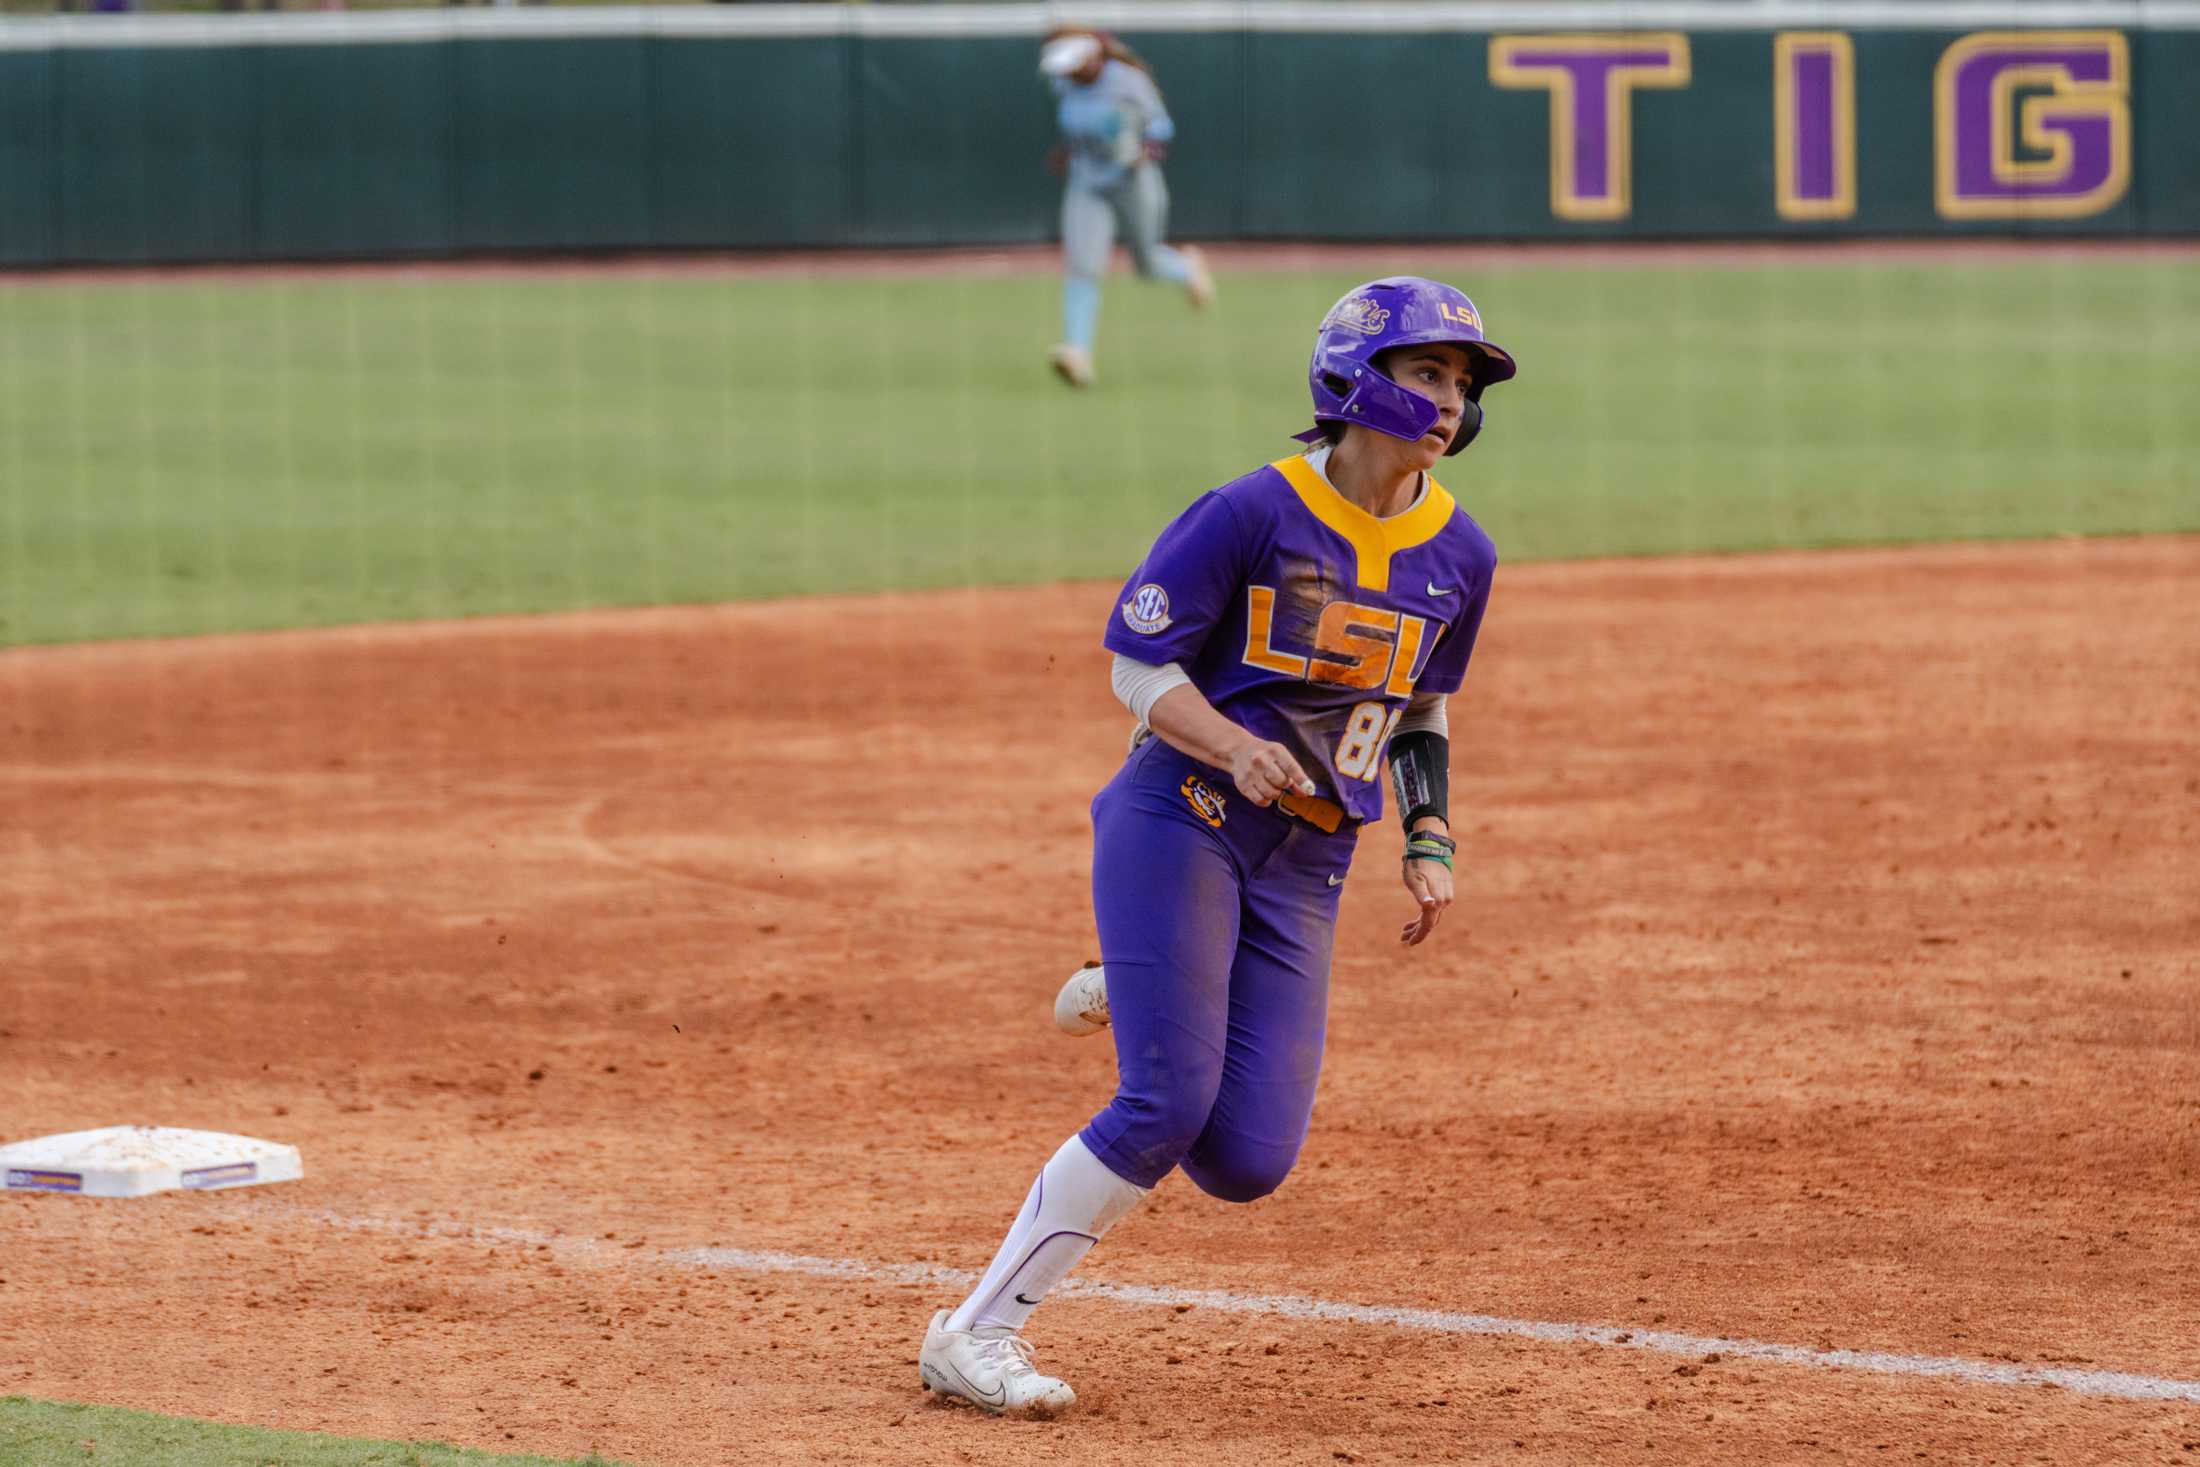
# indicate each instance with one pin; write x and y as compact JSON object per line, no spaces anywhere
{"x":1112,"y":185}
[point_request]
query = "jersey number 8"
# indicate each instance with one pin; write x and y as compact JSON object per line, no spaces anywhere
{"x":1360,"y":752}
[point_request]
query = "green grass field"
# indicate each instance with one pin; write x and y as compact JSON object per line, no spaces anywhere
{"x":38,"y":1433}
{"x":196,"y":455}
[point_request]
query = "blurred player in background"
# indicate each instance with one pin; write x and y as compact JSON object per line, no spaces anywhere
{"x":1287,"y":634}
{"x":1114,"y":132}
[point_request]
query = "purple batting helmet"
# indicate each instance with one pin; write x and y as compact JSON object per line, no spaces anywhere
{"x":1398,"y":310}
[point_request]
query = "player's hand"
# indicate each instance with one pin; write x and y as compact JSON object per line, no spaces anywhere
{"x":1058,"y":160}
{"x":1154,"y":152}
{"x":1429,"y":884}
{"x":1263,"y":770}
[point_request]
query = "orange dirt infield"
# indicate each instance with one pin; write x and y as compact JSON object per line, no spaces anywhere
{"x":1826,"y":976}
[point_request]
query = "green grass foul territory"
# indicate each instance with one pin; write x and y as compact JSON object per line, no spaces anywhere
{"x":193,"y":455}
{"x":44,"y":1432}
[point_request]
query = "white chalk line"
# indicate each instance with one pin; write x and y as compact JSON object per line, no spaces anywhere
{"x":2115,"y":1384}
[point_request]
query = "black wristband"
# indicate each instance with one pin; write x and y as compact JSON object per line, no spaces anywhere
{"x":1420,"y":774}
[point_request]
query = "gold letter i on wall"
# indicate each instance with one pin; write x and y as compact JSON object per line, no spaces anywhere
{"x":1814,"y":124}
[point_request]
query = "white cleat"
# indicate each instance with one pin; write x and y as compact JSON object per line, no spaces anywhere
{"x":1200,"y":283}
{"x":1082,"y":1005}
{"x":989,"y":1368}
{"x":1073,"y":364}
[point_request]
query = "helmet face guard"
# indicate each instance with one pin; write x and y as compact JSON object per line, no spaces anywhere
{"x":1380,"y":316}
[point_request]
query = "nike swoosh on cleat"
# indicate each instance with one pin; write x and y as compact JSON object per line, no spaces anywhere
{"x":1336,"y":881}
{"x":1022,"y":1300}
{"x":1436,"y":590}
{"x":998,"y":1397}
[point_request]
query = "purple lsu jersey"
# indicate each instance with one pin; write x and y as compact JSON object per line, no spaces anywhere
{"x":1309,"y":621}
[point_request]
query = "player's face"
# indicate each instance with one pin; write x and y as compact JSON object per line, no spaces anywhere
{"x":1443,"y":374}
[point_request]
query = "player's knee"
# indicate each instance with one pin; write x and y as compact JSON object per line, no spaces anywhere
{"x":1156,"y":1126}
{"x":1175,"y":1120}
{"x":1241,"y":1173}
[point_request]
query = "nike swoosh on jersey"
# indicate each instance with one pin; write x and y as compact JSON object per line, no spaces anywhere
{"x":1436,"y":590}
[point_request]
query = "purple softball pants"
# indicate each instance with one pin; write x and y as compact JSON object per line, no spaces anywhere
{"x":1217,"y":920}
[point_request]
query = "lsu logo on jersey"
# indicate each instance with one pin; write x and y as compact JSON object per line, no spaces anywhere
{"x":1205,"y":803}
{"x":1355,"y":646}
{"x":1147,"y":611}
{"x":1359,"y":314}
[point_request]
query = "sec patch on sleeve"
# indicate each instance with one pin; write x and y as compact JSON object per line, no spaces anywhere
{"x":1147,"y":611}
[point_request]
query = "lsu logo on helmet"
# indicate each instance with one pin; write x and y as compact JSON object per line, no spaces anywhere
{"x":1359,"y":314}
{"x":1460,"y":315}
{"x":1147,"y":611}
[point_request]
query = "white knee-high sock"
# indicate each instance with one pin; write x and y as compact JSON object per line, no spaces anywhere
{"x":1075,"y":1200}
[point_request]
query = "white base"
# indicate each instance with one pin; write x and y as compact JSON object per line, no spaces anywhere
{"x":131,"y":1161}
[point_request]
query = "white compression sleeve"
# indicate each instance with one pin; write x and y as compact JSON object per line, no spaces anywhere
{"x":1427,"y":713}
{"x":1075,"y":1200}
{"x":1141,"y":684}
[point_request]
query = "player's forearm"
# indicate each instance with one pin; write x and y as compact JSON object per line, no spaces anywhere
{"x":1188,"y":723}
{"x":1420,"y":765}
{"x":1420,"y":773}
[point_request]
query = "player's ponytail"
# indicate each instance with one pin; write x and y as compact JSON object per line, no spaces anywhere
{"x":1117,"y":51}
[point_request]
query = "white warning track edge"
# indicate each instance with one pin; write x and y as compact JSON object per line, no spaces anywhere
{"x":2114,"y":1384}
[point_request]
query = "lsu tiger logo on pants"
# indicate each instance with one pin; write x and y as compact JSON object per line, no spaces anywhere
{"x":1205,"y":803}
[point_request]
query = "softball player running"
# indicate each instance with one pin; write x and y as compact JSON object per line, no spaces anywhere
{"x":1114,"y":132}
{"x":1284,"y":634}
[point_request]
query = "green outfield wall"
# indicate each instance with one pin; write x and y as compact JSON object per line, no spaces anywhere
{"x":143,"y":139}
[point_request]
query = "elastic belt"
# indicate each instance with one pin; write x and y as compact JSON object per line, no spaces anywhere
{"x":1324,"y":815}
